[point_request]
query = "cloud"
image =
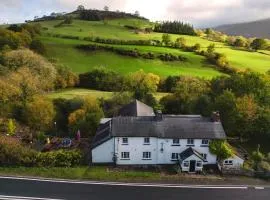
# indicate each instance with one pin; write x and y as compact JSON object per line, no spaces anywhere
{"x":198,"y":12}
{"x":207,"y":13}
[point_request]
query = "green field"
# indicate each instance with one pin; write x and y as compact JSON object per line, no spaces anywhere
{"x":72,"y":93}
{"x":63,"y":50}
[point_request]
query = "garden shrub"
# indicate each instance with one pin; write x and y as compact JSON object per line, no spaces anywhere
{"x":60,"y":158}
{"x":13,"y":153}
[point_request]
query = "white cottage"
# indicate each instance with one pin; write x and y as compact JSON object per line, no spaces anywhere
{"x":139,"y":137}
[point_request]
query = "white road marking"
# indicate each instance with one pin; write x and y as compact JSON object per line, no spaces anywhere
{"x":129,"y":184}
{"x":259,"y":188}
{"x":4,"y":197}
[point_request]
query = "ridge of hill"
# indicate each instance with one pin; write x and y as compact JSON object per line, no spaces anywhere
{"x":259,"y":28}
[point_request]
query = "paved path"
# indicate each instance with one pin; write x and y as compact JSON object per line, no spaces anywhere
{"x":46,"y":189}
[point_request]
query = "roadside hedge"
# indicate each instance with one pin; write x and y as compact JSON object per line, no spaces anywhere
{"x":13,"y":153}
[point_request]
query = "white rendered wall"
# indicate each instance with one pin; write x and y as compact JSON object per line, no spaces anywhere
{"x":104,"y":152}
{"x":136,"y":148}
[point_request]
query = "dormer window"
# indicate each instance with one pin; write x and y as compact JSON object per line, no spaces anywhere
{"x":146,"y":141}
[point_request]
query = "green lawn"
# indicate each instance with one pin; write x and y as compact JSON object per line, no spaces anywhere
{"x":64,"y":51}
{"x":77,"y":92}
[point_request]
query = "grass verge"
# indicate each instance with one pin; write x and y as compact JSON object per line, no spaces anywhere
{"x":102,"y":173}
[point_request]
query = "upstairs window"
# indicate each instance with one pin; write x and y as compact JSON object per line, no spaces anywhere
{"x":190,"y":142}
{"x":125,"y":155}
{"x":146,"y":141}
{"x":176,"y":142}
{"x":174,"y":156}
{"x":125,"y":141}
{"x":146,"y":155}
{"x":205,"y":142}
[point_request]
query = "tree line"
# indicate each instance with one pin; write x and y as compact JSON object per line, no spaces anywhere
{"x":175,"y":27}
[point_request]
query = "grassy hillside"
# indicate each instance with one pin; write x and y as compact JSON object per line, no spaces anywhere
{"x":63,"y":50}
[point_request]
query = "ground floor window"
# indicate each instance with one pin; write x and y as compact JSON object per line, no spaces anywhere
{"x":146,"y":155}
{"x":204,"y":155}
{"x":228,"y":162}
{"x":175,"y":156}
{"x":199,"y":164}
{"x":186,"y":163}
{"x":124,"y":155}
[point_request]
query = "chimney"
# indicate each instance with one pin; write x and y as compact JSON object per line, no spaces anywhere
{"x":215,"y":116}
{"x":159,"y":116}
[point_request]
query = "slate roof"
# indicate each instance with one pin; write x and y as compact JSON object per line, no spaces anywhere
{"x":136,"y":109}
{"x":189,"y":152}
{"x":138,"y":120}
{"x":171,"y":126}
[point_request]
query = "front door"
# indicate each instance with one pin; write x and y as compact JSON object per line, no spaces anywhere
{"x":192,"y":165}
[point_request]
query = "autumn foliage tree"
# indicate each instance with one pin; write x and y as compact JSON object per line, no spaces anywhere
{"x":39,"y":113}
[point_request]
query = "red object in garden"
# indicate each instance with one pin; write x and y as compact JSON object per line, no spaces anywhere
{"x":78,"y":136}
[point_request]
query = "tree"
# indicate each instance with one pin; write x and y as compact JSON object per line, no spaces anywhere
{"x":247,"y":110}
{"x":38,"y":47}
{"x":106,"y":8}
{"x":221,"y":149}
{"x":257,"y":157}
{"x":180,"y":42}
{"x":137,"y":13}
{"x":80,"y":8}
{"x":87,"y":118}
{"x":240,"y":42}
{"x":11,"y":127}
{"x":166,"y":39}
{"x":39,"y":113}
{"x":211,"y":49}
{"x":68,"y":20}
{"x":43,"y":70}
{"x":141,"y":83}
{"x":197,"y":47}
{"x":226,"y":105}
{"x":258,"y":43}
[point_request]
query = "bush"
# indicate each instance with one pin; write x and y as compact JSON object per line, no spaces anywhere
{"x":101,"y":79}
{"x":12,"y":153}
{"x":60,"y":158}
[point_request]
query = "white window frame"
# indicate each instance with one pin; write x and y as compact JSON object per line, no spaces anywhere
{"x":124,"y":142}
{"x":146,"y":142}
{"x":204,"y":155}
{"x":146,"y":155}
{"x":125,"y":155}
{"x":186,"y":163}
{"x":228,"y":162}
{"x":199,"y":164}
{"x":205,"y":142}
{"x":189,"y":141}
{"x":174,"y":143}
{"x":175,"y":156}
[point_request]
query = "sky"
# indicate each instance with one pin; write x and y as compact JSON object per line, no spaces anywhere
{"x":200,"y":13}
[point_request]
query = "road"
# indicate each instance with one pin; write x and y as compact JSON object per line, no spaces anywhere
{"x":45,"y":189}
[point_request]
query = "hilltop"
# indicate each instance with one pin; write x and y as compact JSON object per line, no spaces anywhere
{"x":260,"y":28}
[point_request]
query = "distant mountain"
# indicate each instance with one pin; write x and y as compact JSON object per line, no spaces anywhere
{"x":260,"y":28}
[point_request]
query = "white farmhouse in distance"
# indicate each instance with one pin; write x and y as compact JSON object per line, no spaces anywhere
{"x":138,"y":136}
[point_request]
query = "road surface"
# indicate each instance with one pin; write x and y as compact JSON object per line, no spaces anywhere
{"x":46,"y":189}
